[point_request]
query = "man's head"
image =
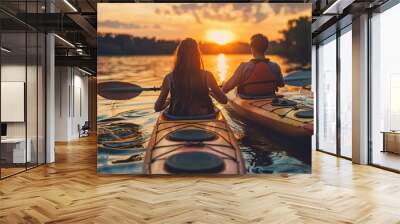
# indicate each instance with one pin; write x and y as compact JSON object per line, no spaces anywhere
{"x":258,"y":44}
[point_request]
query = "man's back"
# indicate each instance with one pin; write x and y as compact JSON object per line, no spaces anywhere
{"x":256,"y":77}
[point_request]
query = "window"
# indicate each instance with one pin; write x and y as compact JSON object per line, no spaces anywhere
{"x":345,"y":43}
{"x":385,"y":89}
{"x":22,"y":77}
{"x":327,"y":96}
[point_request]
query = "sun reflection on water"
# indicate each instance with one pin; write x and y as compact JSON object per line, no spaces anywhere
{"x":222,"y":67}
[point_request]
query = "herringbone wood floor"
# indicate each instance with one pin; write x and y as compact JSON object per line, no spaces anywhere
{"x":69,"y":191}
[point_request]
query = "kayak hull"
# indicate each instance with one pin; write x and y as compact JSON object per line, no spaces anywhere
{"x":225,"y":146}
{"x":262,"y":112}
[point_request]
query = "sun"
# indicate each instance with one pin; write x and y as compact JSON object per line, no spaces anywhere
{"x":220,"y":36}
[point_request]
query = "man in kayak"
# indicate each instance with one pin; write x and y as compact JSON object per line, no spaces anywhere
{"x":259,"y":76}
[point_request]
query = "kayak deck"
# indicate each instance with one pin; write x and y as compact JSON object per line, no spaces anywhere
{"x":225,"y":146}
{"x":279,"y":118}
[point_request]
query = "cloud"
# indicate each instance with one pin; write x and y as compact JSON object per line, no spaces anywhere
{"x":287,"y":8}
{"x":253,"y":13}
{"x":260,"y":15}
{"x":119,"y":25}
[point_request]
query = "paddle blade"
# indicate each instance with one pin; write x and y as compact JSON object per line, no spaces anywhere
{"x":118,"y":90}
{"x":298,"y":78}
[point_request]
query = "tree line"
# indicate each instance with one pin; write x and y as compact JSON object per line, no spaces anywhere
{"x":295,"y":44}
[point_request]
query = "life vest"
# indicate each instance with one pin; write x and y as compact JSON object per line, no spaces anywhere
{"x":261,"y":81}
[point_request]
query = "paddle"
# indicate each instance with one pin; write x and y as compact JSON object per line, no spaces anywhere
{"x":121,"y":90}
{"x":300,"y":78}
{"x":116,"y":90}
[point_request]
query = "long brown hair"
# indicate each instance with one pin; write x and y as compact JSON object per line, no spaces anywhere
{"x":187,"y":75}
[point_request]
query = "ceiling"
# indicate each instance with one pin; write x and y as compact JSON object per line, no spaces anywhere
{"x":76,"y":22}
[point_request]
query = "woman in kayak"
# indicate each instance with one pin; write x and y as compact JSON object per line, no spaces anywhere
{"x":189,"y":85}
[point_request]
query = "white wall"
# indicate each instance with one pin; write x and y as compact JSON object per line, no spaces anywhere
{"x":71,"y":103}
{"x":61,"y":103}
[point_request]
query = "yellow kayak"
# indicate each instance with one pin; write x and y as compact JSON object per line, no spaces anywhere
{"x":281,"y":114}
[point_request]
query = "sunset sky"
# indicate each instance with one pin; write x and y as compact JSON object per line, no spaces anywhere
{"x":215,"y":22}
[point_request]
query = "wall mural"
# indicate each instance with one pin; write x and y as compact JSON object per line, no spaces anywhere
{"x":213,"y":88}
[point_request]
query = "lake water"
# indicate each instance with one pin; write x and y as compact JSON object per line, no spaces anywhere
{"x":125,"y":126}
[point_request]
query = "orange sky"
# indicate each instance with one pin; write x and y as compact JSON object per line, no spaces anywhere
{"x":180,"y":20}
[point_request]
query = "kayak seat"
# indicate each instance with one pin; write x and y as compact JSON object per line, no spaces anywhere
{"x":195,"y":135}
{"x":281,"y":102}
{"x":256,"y":97}
{"x":193,"y":117}
{"x":305,"y":114}
{"x":194,"y":162}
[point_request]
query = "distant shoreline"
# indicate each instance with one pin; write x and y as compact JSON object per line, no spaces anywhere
{"x":119,"y":55}
{"x":109,"y":45}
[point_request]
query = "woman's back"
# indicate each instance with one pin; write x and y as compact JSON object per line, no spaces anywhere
{"x":190,"y":96}
{"x":189,"y":84}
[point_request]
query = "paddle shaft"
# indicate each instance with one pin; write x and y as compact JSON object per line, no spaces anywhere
{"x":299,"y":78}
{"x":130,"y":89}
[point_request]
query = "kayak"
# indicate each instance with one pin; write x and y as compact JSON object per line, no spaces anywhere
{"x":205,"y":146}
{"x":286,"y":113}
